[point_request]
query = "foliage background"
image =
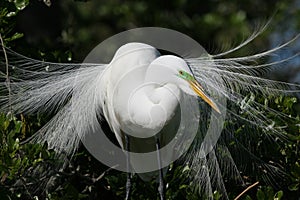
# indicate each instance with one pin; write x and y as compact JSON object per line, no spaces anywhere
{"x":65,"y":31}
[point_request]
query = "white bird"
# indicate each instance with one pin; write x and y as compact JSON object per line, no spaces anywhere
{"x":139,"y":93}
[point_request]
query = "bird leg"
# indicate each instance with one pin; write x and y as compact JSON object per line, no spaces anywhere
{"x":128,"y":182}
{"x":161,"y":187}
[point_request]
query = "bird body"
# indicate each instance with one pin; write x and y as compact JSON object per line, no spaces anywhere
{"x":141,"y":90}
{"x":141,"y":95}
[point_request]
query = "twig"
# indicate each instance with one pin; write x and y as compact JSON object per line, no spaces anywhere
{"x":7,"y":75}
{"x":248,"y":188}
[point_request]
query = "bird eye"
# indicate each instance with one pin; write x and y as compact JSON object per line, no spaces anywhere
{"x":180,"y":72}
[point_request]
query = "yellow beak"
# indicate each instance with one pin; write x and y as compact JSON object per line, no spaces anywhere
{"x":199,"y":91}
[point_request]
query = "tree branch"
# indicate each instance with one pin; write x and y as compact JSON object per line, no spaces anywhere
{"x":248,"y":188}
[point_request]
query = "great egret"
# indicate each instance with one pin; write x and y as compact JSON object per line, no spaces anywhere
{"x":77,"y":93}
{"x":150,"y":86}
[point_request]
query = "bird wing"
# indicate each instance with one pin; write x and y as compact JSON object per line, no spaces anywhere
{"x":106,"y":96}
{"x":124,"y":74}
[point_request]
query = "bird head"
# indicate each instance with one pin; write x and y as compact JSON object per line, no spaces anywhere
{"x":172,"y":69}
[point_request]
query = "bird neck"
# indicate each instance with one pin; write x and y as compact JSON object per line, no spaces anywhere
{"x":151,"y":106}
